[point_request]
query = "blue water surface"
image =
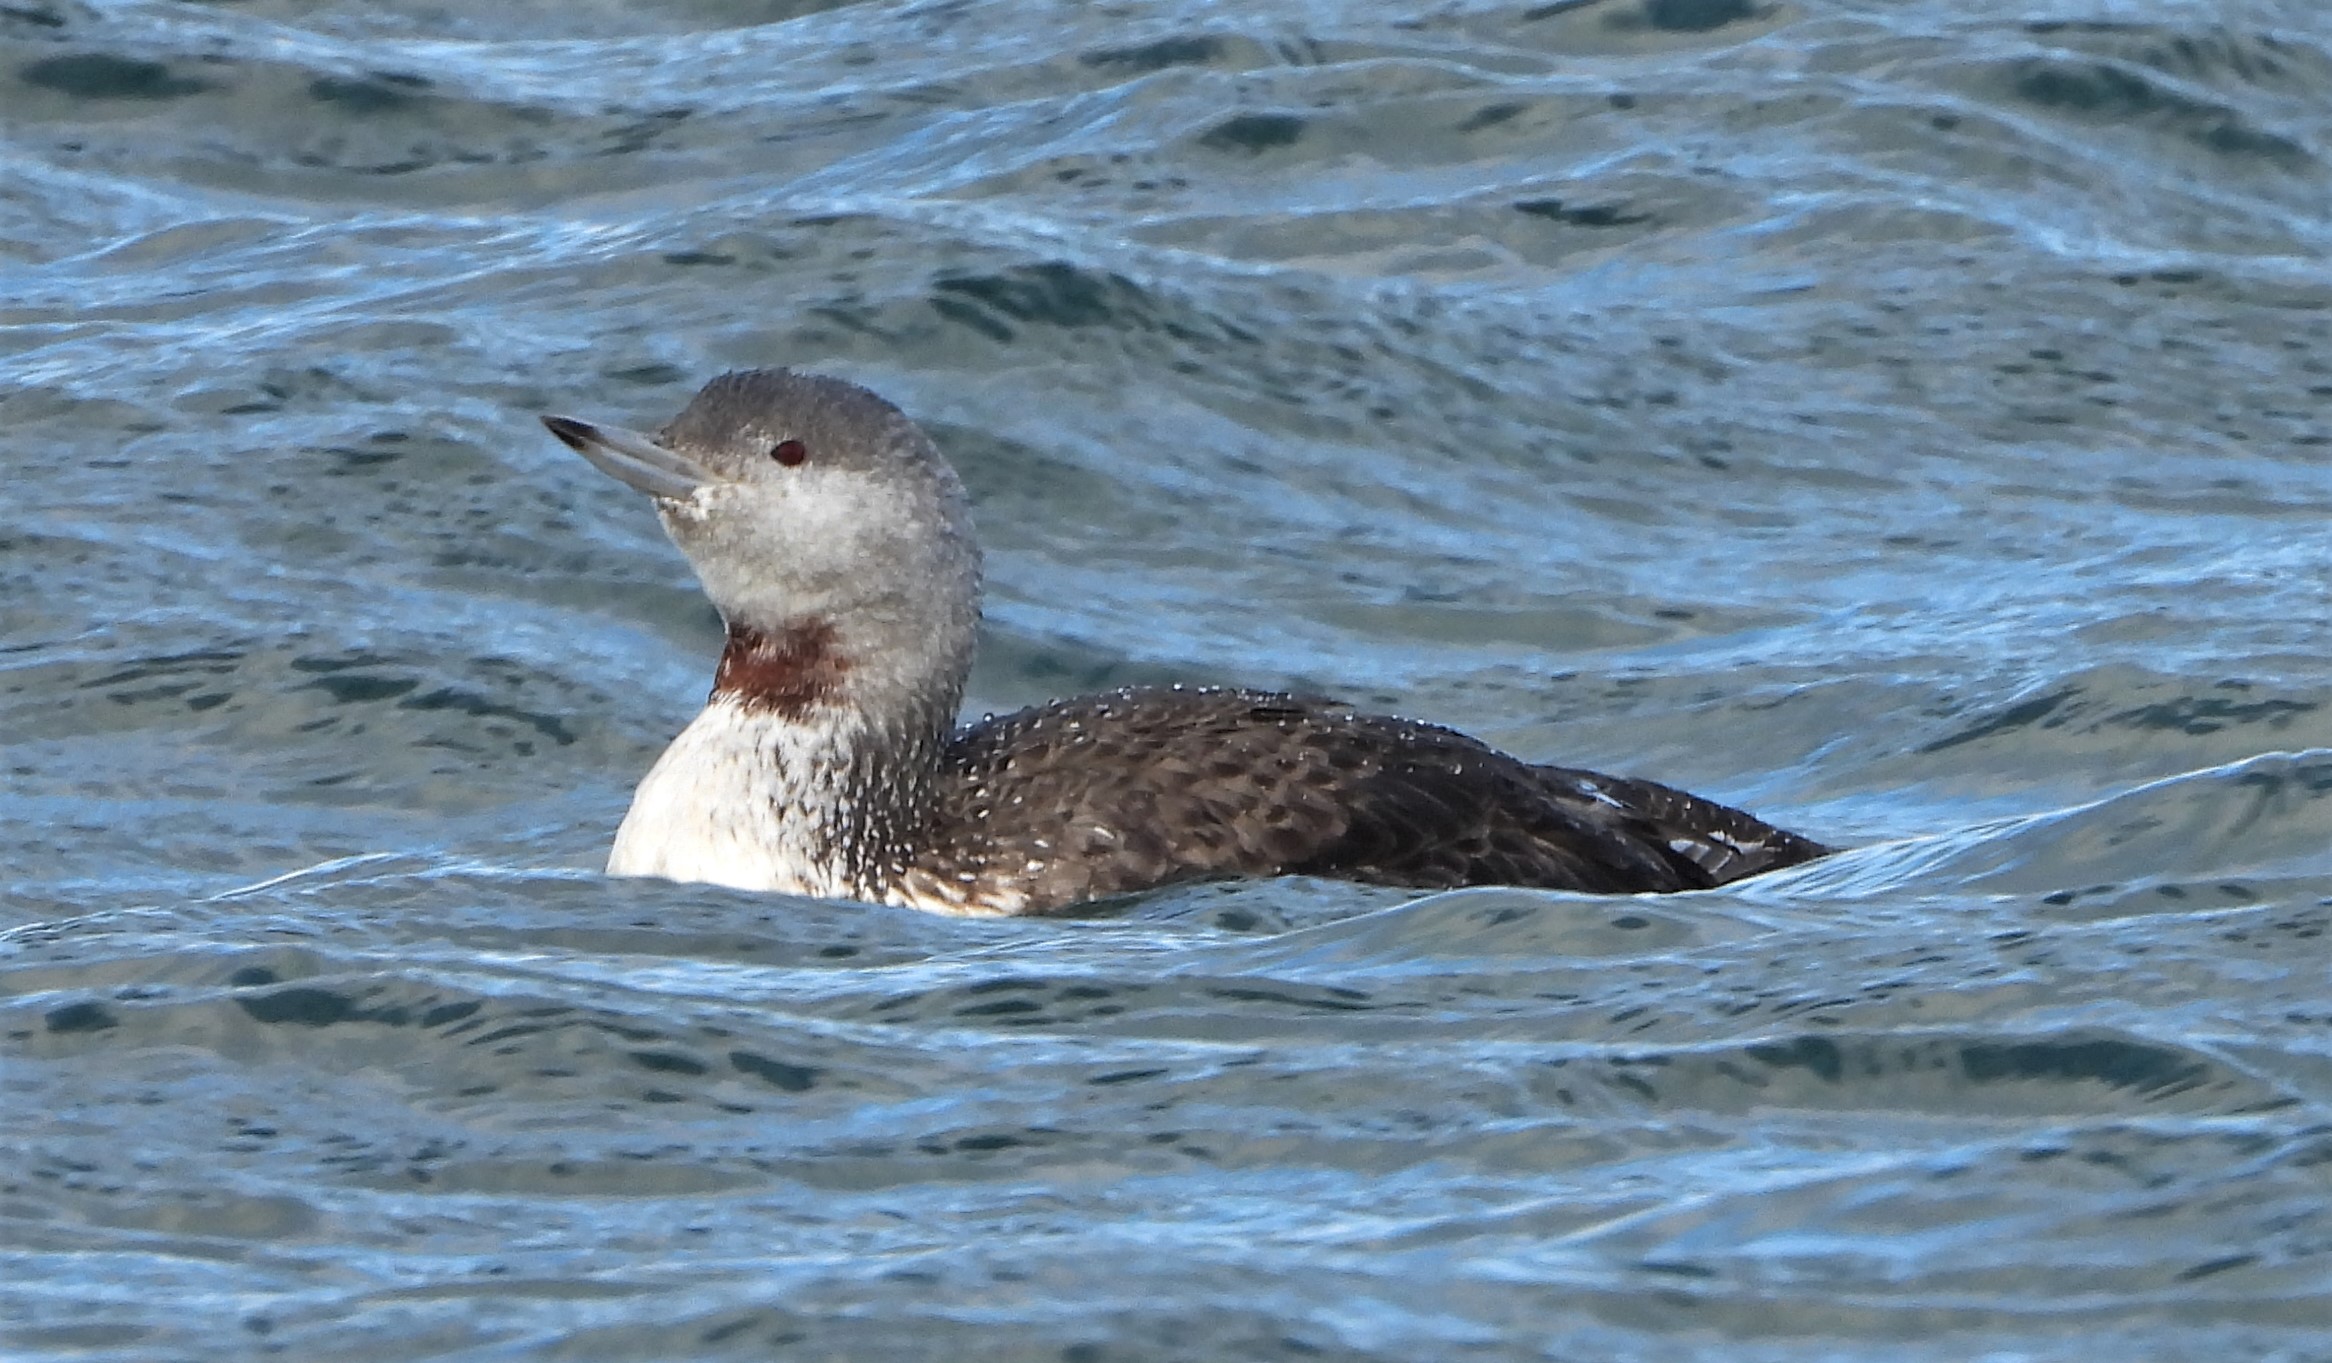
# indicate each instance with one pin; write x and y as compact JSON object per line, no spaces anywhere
{"x":1906,"y":419}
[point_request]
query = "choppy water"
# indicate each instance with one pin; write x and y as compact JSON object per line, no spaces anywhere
{"x":1906,"y":419}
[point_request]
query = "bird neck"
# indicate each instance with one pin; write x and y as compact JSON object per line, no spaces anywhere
{"x":811,"y":770}
{"x":786,"y":672}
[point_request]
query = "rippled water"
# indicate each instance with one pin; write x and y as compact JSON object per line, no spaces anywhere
{"x":1905,"y":419}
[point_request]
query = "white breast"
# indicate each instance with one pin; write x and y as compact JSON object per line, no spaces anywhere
{"x":734,"y":801}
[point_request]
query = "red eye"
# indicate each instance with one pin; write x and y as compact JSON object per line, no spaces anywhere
{"x":789,"y":452}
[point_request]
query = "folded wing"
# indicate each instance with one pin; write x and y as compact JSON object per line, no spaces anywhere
{"x":1123,"y":792}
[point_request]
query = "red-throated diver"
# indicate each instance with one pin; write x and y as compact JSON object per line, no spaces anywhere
{"x":837,"y":544}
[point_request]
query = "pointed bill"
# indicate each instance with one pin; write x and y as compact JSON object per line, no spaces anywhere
{"x":631,"y":458}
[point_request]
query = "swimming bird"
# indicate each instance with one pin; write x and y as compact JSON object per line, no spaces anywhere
{"x":836,"y":542}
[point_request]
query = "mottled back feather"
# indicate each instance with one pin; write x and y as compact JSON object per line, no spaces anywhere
{"x":1111,"y":794}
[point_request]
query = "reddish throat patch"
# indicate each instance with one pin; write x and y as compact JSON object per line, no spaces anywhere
{"x":784,"y":672}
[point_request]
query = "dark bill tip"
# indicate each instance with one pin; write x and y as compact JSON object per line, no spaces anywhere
{"x":571,"y":433}
{"x":631,"y":458}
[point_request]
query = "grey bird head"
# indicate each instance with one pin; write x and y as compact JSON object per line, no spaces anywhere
{"x":807,"y":502}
